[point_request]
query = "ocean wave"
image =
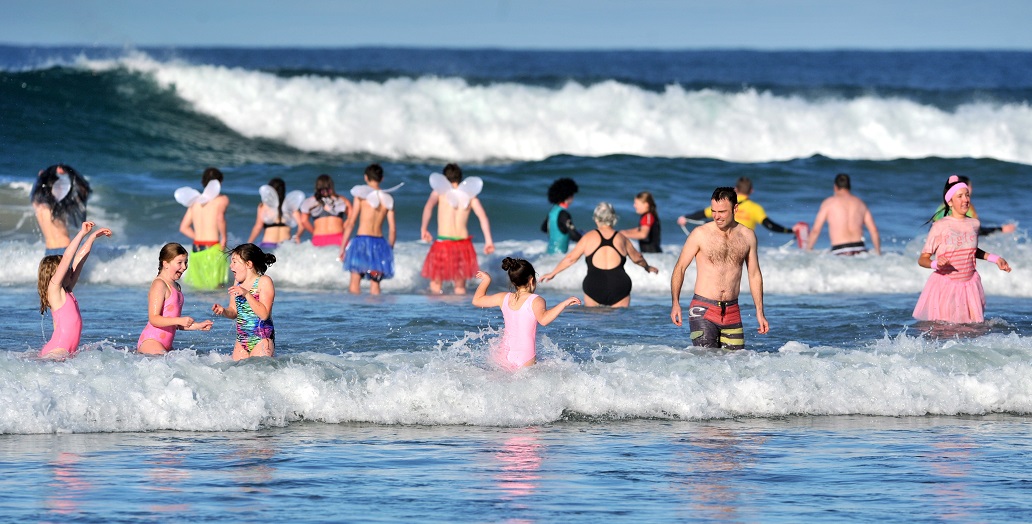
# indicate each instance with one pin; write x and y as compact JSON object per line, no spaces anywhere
{"x":448,"y":118}
{"x":786,"y":270}
{"x":108,"y":389}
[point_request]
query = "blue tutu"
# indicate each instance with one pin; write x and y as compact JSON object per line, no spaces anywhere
{"x":371,"y":257}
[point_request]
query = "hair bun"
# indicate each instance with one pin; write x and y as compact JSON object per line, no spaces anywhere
{"x":508,"y":263}
{"x":270,"y":259}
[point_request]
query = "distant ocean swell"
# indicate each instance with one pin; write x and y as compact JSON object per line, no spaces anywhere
{"x":449,"y":118}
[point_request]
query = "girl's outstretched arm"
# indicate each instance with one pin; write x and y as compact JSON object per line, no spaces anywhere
{"x":546,"y":317}
{"x":480,"y":297}
{"x":57,"y":282}
{"x":84,"y":253}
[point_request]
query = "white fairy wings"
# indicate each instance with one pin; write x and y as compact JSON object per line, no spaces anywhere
{"x":291,"y":202}
{"x":189,"y":196}
{"x":458,"y":197}
{"x":375,"y":197}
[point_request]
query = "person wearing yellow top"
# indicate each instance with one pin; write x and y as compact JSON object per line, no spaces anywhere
{"x":748,"y":213}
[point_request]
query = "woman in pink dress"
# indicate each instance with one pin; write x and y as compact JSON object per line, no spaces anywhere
{"x":954,"y":292}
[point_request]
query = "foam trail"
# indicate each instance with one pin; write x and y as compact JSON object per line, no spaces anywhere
{"x":435,"y":118}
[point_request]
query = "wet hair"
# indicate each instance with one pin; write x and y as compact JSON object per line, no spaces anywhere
{"x":520,"y":271}
{"x":169,"y":252}
{"x":725,"y":193}
{"x":646,"y":197}
{"x":72,"y":208}
{"x":47,"y":268}
{"x":324,"y":190}
{"x":605,"y":215}
{"x":561,"y":189}
{"x":210,"y":174}
{"x":743,"y":186}
{"x":254,"y":254}
{"x":374,"y":172}
{"x":281,"y":191}
{"x":842,"y":181}
{"x":453,"y":173}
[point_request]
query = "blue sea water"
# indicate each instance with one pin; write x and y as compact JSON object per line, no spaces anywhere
{"x":385,"y":408}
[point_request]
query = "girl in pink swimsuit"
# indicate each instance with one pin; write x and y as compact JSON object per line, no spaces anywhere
{"x":57,"y":278}
{"x":522,"y":312}
{"x":165,"y":304}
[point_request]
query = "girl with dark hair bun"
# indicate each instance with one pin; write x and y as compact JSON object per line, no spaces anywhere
{"x":252,"y":297}
{"x":165,"y":304}
{"x":522,"y":311}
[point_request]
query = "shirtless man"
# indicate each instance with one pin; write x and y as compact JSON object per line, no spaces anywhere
{"x":369,"y":255}
{"x":205,"y":223}
{"x":720,"y":248}
{"x":58,"y":199}
{"x":452,"y":256}
{"x":846,"y":215}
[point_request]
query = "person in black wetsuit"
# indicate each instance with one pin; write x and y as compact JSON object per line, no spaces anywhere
{"x":648,"y":231}
{"x":606,"y":250}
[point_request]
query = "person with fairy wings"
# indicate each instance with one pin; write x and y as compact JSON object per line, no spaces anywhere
{"x":369,"y":255}
{"x":452,"y":257}
{"x":59,"y":203}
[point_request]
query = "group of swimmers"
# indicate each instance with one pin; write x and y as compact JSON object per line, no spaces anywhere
{"x":720,"y":249}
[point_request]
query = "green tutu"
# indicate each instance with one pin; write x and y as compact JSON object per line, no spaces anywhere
{"x":208,"y":269}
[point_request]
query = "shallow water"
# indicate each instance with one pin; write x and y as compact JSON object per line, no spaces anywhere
{"x":771,"y":470}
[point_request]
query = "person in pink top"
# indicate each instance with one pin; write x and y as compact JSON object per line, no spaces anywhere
{"x":165,"y":304}
{"x":522,"y":311}
{"x":57,"y":278}
{"x":954,"y":292}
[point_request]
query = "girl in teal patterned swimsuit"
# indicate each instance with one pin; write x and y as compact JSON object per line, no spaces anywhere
{"x":251,"y":305}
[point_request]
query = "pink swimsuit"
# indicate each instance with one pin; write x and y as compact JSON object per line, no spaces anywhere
{"x":518,"y":346}
{"x":67,"y":328}
{"x":172,"y":307}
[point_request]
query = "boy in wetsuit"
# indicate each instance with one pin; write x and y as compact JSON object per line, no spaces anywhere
{"x":719,"y":249}
{"x":559,"y":224}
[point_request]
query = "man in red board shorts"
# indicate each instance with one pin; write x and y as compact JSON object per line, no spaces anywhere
{"x":719,"y":248}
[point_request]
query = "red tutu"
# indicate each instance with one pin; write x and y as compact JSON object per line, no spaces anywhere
{"x":451,"y":260}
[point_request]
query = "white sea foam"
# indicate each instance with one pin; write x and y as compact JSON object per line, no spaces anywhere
{"x":434,"y":118}
{"x":107,"y":389}
{"x":786,"y":271}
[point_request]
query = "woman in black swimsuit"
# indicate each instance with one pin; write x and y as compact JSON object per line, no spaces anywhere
{"x":605,"y":250}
